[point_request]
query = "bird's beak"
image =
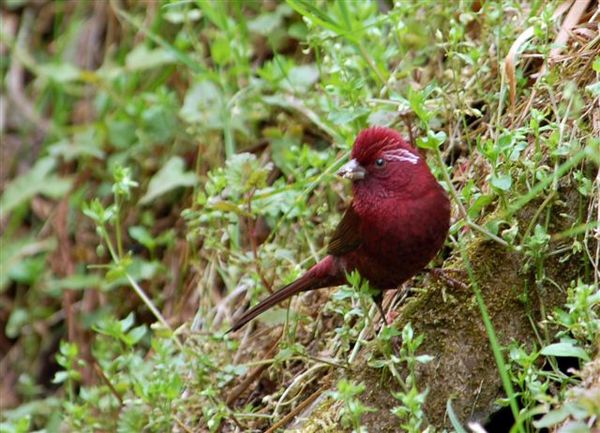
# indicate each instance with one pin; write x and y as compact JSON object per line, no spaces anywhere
{"x":352,"y":170}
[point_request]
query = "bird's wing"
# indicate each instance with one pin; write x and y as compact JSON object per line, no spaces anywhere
{"x":346,"y":236}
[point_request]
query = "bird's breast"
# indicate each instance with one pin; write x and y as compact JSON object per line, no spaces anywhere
{"x":399,"y":239}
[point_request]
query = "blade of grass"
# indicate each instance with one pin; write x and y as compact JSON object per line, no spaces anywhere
{"x":309,"y":10}
{"x":456,"y":425}
{"x":493,"y":339}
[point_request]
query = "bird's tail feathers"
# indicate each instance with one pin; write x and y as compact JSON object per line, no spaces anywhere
{"x":304,"y":283}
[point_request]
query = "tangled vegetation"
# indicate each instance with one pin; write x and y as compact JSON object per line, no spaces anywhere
{"x":166,"y":164}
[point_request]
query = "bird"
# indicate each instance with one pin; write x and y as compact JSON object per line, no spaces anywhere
{"x":395,"y":225}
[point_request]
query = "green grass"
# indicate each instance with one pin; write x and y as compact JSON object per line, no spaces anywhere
{"x":165,"y":164}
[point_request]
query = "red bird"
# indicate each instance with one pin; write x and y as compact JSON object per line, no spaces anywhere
{"x":396,"y":223}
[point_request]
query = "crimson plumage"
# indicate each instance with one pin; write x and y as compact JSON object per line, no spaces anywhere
{"x":397,"y":221}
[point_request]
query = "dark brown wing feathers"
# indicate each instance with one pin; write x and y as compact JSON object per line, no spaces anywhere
{"x":346,"y":237}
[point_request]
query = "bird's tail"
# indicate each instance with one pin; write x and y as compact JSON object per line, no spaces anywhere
{"x":306,"y":282}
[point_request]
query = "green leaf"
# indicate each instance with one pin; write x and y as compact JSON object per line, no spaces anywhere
{"x":220,"y":50}
{"x":416,"y":100}
{"x":265,"y":24}
{"x":171,"y":176}
{"x":202,"y":105}
{"x":143,"y":236}
{"x":121,"y":132}
{"x":311,"y":11}
{"x":60,"y":72}
{"x":160,"y":122}
{"x":38,"y":180}
{"x":15,"y":251}
{"x":71,"y":150}
{"x":16,"y":321}
{"x":565,"y":348}
{"x":28,"y":270}
{"x":575,"y":427}
{"x":432,"y":141}
{"x":115,"y":273}
{"x":83,"y":144}
{"x":60,"y":377}
{"x":502,"y":182}
{"x":73,"y":282}
{"x":389,"y":332}
{"x":594,"y":88}
{"x":552,"y":418}
{"x":127,"y":322}
{"x":135,"y":335}
{"x":479,"y":204}
{"x":141,"y":58}
{"x":301,"y":78}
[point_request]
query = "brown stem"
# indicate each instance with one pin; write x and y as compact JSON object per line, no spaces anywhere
{"x":106,"y":380}
{"x":286,"y":419}
{"x":254,"y":245}
{"x":238,"y":390}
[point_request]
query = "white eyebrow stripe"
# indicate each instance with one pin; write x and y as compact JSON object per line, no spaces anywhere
{"x":402,"y":155}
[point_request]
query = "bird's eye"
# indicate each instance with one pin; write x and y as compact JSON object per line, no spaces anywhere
{"x":379,"y":162}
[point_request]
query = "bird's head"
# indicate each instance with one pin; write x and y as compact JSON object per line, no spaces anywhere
{"x":384,"y":164}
